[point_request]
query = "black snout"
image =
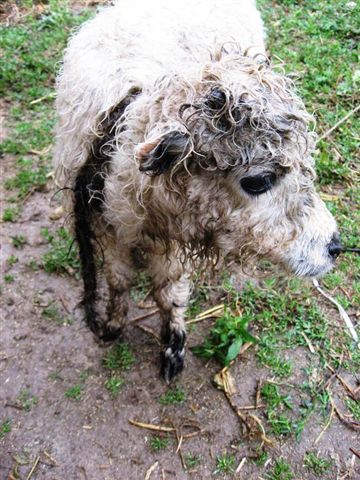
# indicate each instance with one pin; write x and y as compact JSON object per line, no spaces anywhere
{"x":335,"y":247}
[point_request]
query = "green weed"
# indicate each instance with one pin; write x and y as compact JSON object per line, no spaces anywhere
{"x":173,"y":396}
{"x":158,"y":443}
{"x":12,"y":260}
{"x":8,"y":278}
{"x":74,"y":392}
{"x":354,"y":407}
{"x":226,"y":338}
{"x":119,"y":357}
{"x":10,"y":214}
{"x":319,"y":466}
{"x":114,"y":385}
{"x":62,"y":255}
{"x":5,"y":427}
{"x":281,"y":471}
{"x":192,"y":461}
{"x":225,"y":464}
{"x":27,"y":400}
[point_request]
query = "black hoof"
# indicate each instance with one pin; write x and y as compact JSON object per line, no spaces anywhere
{"x":108,"y":334}
{"x":172,"y":357}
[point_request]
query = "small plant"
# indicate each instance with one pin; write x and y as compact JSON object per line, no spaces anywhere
{"x":281,"y":471}
{"x":319,"y":466}
{"x":226,"y":338}
{"x":27,"y":400}
{"x":192,"y":461}
{"x":119,"y":357}
{"x":52,"y":312}
{"x":12,"y":260}
{"x":74,"y":392}
{"x":5,"y":427}
{"x":158,"y":443}
{"x":18,"y":241}
{"x":225,"y":464}
{"x":354,"y":407}
{"x":10,"y":214}
{"x":261,"y":458}
{"x":8,"y":278}
{"x":173,"y":395}
{"x":114,"y":385}
{"x":62,"y":255}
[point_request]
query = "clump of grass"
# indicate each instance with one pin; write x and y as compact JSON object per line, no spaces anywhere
{"x":27,"y":400}
{"x":192,"y":461}
{"x":114,"y":385}
{"x":173,"y":396}
{"x":8,"y":278}
{"x":5,"y":427}
{"x":52,"y":312}
{"x":226,"y":338}
{"x":158,"y":443}
{"x":281,"y":471}
{"x":225,"y":464}
{"x":74,"y":392}
{"x":18,"y":241}
{"x":12,"y":260}
{"x":10,"y":214}
{"x":62,"y":255}
{"x":354,"y":407}
{"x":318,"y":465}
{"x":119,"y":357}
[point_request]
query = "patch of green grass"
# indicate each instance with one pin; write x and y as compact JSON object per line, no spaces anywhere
{"x":226,"y":338}
{"x":173,"y":396}
{"x":5,"y":427}
{"x":192,"y":461}
{"x":318,"y":465}
{"x":27,"y":400}
{"x":74,"y":392}
{"x":18,"y":241}
{"x":52,"y":312}
{"x":225,"y":464}
{"x":10,"y":214}
{"x":31,"y":50}
{"x":158,"y":443}
{"x":281,"y":471}
{"x":261,"y":458}
{"x":62,"y":255}
{"x":354,"y":407}
{"x":8,"y":278}
{"x":114,"y":385}
{"x":12,"y":260}
{"x":119,"y":357}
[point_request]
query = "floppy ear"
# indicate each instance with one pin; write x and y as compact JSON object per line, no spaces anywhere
{"x":158,"y":156}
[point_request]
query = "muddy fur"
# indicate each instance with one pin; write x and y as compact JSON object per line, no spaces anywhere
{"x":183,"y":147}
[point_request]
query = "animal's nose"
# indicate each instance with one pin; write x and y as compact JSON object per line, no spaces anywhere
{"x":334,"y":247}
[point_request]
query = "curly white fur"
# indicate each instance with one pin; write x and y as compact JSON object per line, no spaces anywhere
{"x":198,"y":77}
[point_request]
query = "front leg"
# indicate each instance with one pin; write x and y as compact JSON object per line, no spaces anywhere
{"x":171,"y":294}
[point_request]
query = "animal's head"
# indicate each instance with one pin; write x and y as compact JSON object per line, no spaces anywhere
{"x":243,"y":156}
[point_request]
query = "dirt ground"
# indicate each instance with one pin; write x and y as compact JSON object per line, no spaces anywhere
{"x":54,"y":436}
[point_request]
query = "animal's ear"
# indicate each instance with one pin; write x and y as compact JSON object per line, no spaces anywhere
{"x":157,"y":156}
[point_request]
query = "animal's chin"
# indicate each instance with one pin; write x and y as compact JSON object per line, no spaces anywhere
{"x":305,"y":270}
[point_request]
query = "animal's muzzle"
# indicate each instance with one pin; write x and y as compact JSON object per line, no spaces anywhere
{"x":335,"y":247}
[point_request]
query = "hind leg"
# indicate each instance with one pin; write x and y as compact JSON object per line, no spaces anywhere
{"x":120,"y":274}
{"x":171,"y":292}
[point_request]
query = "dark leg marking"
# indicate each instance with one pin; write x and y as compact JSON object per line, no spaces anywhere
{"x":173,"y":353}
{"x":91,"y":179}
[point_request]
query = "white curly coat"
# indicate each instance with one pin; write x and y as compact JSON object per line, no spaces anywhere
{"x":175,"y":53}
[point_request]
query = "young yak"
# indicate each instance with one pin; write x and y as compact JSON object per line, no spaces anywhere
{"x":178,"y":145}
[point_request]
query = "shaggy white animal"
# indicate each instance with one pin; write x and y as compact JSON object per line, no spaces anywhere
{"x":179,"y":145}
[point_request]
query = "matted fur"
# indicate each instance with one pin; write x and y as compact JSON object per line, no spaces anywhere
{"x":204,"y":111}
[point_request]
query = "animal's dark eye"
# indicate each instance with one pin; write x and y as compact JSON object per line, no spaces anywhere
{"x":257,"y":184}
